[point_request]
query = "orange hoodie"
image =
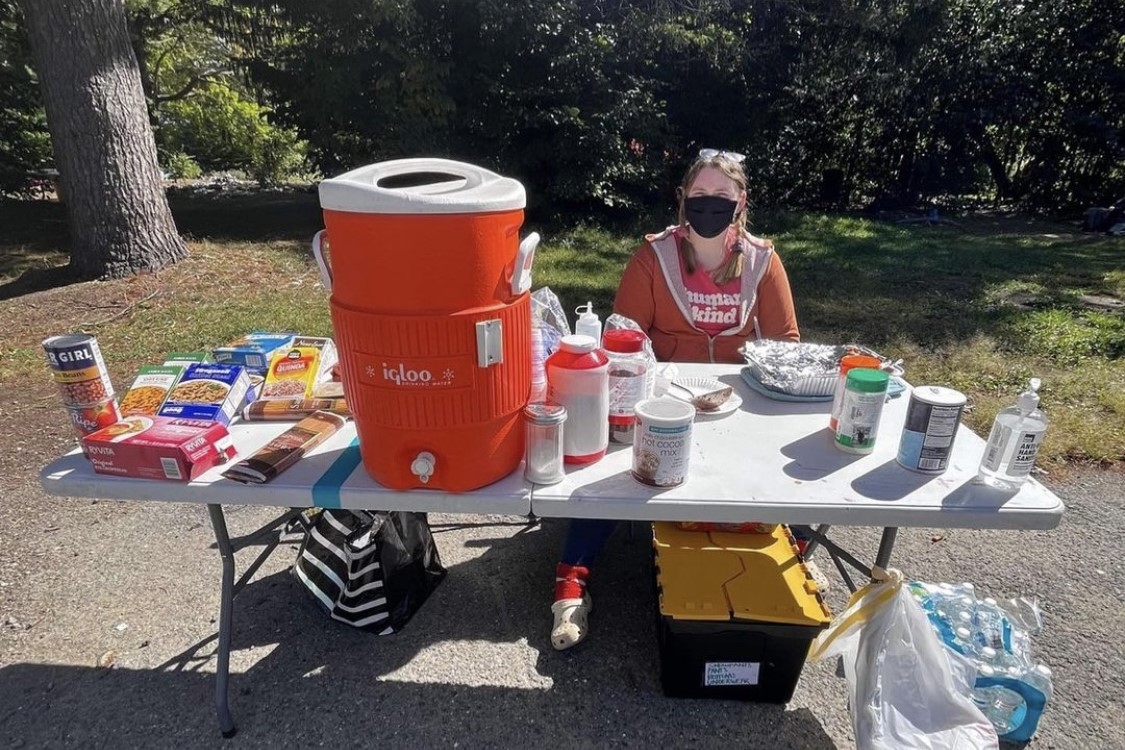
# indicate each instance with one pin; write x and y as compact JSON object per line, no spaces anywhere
{"x":653,"y":294}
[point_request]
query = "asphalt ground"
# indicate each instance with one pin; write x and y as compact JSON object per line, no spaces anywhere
{"x":108,"y":615}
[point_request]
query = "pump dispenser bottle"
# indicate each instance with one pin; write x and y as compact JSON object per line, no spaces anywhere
{"x":1014,"y":442}
{"x":588,"y":323}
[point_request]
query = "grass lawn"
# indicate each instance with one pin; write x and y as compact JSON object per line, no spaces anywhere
{"x":980,"y":308}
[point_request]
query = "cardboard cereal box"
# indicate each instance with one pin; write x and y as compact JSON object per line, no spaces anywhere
{"x":254,"y":351}
{"x":209,"y":392}
{"x":296,"y":371}
{"x":149,"y":389}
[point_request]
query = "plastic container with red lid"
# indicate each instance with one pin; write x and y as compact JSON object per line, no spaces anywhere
{"x":578,"y":379}
{"x":632,"y":371}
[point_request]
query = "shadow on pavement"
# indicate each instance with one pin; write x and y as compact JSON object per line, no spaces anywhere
{"x":474,"y":666}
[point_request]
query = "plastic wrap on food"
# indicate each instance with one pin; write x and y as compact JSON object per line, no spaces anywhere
{"x":798,"y":368}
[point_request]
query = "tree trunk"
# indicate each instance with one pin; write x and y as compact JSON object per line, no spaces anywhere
{"x":995,"y":167}
{"x":120,"y":223}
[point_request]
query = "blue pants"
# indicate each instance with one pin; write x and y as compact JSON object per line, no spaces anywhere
{"x":587,"y":537}
{"x":585,"y":540}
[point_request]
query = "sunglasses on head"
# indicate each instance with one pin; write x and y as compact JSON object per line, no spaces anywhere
{"x":714,"y":153}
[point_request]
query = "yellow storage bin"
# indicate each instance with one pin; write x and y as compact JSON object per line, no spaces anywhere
{"x":737,"y":613}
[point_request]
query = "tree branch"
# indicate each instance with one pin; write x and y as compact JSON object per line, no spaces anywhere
{"x":188,"y":87}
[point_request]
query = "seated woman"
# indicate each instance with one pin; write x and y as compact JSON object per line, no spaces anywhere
{"x":699,"y":289}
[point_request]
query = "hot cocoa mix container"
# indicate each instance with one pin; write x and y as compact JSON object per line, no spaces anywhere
{"x":662,"y":443}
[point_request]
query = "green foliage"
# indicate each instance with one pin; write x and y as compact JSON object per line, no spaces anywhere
{"x":602,"y":104}
{"x":221,"y":129}
{"x":1067,"y":337}
{"x":599,"y":106}
{"x":199,"y":107}
{"x":180,"y":166}
{"x":25,"y":145}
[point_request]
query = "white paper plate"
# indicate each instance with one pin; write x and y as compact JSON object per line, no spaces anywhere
{"x":704,"y":385}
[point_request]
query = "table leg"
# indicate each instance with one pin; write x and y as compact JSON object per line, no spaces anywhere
{"x":222,"y":675}
{"x":813,"y":543}
{"x":886,"y":546}
{"x":836,"y":550}
{"x":843,"y":572}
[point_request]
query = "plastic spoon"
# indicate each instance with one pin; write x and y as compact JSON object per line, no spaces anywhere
{"x":707,"y":400}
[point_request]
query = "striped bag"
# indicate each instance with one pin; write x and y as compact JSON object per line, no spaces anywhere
{"x":371,"y":570}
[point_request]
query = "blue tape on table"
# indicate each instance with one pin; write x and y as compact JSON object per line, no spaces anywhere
{"x":326,"y":491}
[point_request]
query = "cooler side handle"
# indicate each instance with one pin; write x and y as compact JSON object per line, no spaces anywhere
{"x":525,"y":256}
{"x":321,"y":263}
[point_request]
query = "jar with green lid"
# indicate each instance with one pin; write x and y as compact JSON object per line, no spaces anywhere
{"x":865,"y":391}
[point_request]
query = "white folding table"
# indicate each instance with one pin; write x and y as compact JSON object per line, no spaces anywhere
{"x":769,"y":461}
{"x":330,"y":477}
{"x":775,"y":461}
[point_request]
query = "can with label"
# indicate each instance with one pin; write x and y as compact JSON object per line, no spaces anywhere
{"x":865,"y":390}
{"x":932,"y":419}
{"x":93,"y":417}
{"x":78,"y":369}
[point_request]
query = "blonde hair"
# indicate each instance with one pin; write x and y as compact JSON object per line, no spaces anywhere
{"x":732,"y":269}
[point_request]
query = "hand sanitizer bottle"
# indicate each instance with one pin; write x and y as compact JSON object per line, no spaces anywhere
{"x":1014,"y":442}
{"x":588,"y":323}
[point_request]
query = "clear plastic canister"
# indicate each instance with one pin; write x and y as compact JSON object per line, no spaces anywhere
{"x":630,"y":372}
{"x":848,"y":363}
{"x":544,"y":457}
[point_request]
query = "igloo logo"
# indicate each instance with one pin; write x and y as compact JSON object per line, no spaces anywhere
{"x":402,"y":376}
{"x":397,"y":374}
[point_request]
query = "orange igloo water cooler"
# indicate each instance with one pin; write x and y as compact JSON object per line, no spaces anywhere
{"x":432,"y":317}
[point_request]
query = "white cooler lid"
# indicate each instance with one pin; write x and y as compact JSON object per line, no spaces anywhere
{"x":421,"y":186}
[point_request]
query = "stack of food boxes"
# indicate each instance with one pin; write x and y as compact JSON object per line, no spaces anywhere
{"x":737,"y":613}
{"x":175,"y":416}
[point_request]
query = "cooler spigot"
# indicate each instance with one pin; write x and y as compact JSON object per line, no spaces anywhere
{"x":423,"y":466}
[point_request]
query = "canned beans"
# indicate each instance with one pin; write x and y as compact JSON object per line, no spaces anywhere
{"x":86,"y":392}
{"x":78,"y":369}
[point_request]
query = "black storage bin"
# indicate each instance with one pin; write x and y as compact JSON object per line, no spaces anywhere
{"x":736,"y":614}
{"x":724,"y":659}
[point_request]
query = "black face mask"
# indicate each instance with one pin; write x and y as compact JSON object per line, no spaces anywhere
{"x":709,"y":215}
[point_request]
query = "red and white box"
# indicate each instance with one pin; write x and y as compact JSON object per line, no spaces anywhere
{"x":159,"y":448}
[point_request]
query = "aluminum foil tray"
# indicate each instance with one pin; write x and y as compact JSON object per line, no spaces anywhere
{"x":796,"y":368}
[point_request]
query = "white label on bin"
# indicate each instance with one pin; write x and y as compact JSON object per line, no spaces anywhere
{"x":719,"y":673}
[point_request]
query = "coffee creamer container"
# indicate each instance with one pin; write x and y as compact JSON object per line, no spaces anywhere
{"x":578,"y":380}
{"x":847,"y":364}
{"x":865,"y":391}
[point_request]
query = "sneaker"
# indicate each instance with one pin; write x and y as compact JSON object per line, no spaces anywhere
{"x":571,"y":621}
{"x":818,"y":576}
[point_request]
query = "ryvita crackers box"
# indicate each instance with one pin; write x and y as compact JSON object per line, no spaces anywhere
{"x":158,"y":448}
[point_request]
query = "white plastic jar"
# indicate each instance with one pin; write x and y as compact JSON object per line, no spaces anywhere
{"x":578,"y":380}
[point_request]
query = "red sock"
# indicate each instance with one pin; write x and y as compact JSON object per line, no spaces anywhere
{"x":570,"y":581}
